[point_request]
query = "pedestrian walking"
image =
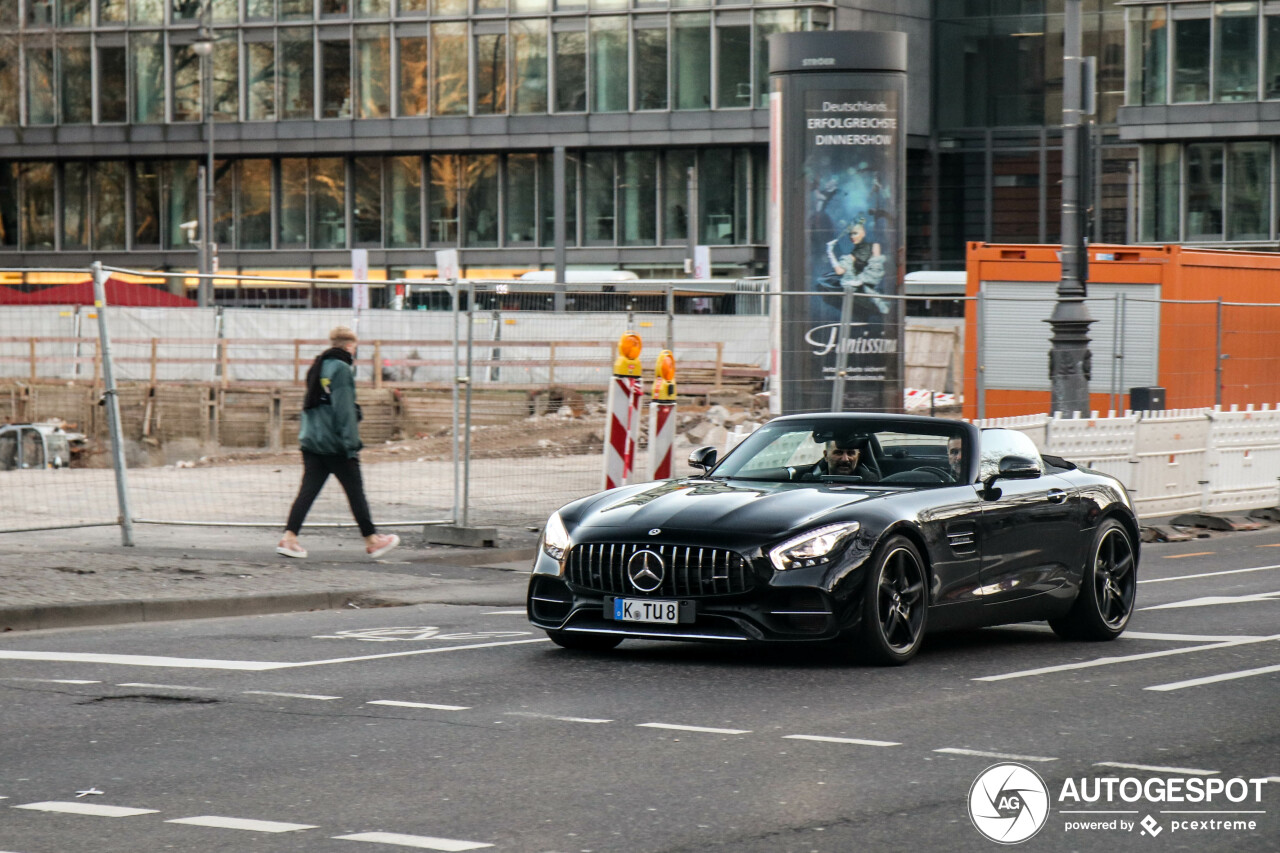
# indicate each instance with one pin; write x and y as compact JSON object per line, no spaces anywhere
{"x":330,"y":441}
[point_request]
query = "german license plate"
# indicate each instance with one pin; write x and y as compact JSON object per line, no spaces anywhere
{"x":648,"y":610}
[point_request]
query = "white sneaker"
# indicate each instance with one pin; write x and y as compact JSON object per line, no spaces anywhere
{"x":286,"y":549}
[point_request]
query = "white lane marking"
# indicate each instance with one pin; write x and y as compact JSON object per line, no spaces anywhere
{"x":1183,"y":771}
{"x":1210,"y":574}
{"x":1213,"y":679}
{"x":290,"y":695}
{"x":983,"y":754}
{"x":1186,"y":638}
{"x":55,"y":680}
{"x":144,"y":660}
{"x":554,"y":717}
{"x":422,"y":842}
{"x":241,"y":823}
{"x":853,"y":740}
{"x":395,"y":704}
{"x":506,"y":613}
{"x":160,"y":686}
{"x":86,"y":809}
{"x":411,"y":652}
{"x":1044,"y":670}
{"x":242,"y":665}
{"x":1210,"y":600}
{"x":703,"y":729}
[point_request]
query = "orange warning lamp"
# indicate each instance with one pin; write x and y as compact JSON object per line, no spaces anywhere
{"x":664,"y":377}
{"x":628,"y":361}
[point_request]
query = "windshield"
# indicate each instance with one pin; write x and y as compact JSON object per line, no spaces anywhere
{"x":851,"y":451}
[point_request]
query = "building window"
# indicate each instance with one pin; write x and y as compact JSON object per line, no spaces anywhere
{"x":297,"y":64}
{"x":491,"y":73}
{"x":260,"y":10}
{"x":373,"y":8}
{"x":226,"y":79}
{"x":609,"y":64}
{"x":448,"y":7}
{"x":147,"y":54}
{"x":42,"y":98}
{"x":186,"y":84}
{"x":548,"y":191}
{"x":75,"y":206}
{"x":1015,"y":197}
{"x":146,"y":11}
{"x":260,"y":85}
{"x":335,"y":79}
{"x":598,"y":204}
{"x":529,"y":65}
{"x":366,"y":215}
{"x":111,"y":11}
{"x":224,"y":202}
{"x":650,"y":48}
{"x":520,"y":200}
{"x":76,"y":78}
{"x":571,"y":72}
{"x":9,"y":74}
{"x":74,"y":13}
{"x":1235,"y":73}
{"x":722,"y":193}
{"x":442,"y":199}
{"x":1271,"y":56}
{"x":691,"y":61}
{"x":146,"y":205}
{"x":412,"y":67}
{"x":297,"y":10}
{"x":769,"y":22}
{"x":1248,"y":191}
{"x":1191,"y":55}
{"x":1204,"y":191}
{"x":328,"y":207}
{"x":109,"y":204}
{"x":113,"y":84}
{"x":293,"y":203}
{"x":638,"y":198}
{"x":449,"y":70}
{"x":404,"y":202}
{"x":1161,"y":182}
{"x":8,"y":205}
{"x":676,"y":164}
{"x":181,"y":201}
{"x":733,"y":65}
{"x":1148,"y":55}
{"x":373,"y":71}
{"x":480,"y":200}
{"x":38,"y":210}
{"x":254,"y":200}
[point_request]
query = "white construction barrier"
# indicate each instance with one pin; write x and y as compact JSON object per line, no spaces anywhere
{"x":1171,"y":451}
{"x":1105,"y":444}
{"x":1244,"y":459}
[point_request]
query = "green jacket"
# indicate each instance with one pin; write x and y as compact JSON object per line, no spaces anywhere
{"x":331,"y":429}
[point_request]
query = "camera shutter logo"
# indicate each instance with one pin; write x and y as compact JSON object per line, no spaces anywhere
{"x":645,"y":570}
{"x":1008,"y":803}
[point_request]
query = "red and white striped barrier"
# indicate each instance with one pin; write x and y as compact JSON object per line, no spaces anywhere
{"x":623,"y":413}
{"x":662,"y":417}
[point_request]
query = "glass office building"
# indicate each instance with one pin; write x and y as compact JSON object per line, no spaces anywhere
{"x":404,"y":126}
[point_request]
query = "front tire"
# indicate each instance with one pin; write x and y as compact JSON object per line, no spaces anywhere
{"x":582,"y":642}
{"x":895,"y":605}
{"x":1108,"y":588}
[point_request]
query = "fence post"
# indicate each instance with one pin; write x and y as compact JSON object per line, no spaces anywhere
{"x":113,"y":407}
{"x":31,"y":344}
{"x":377,"y":364}
{"x":981,"y":379}
{"x":466,"y":427}
{"x":1217,"y":362}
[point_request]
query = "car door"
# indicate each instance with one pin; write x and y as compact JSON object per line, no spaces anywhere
{"x":1029,"y":530}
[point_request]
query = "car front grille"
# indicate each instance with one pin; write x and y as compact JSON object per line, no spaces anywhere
{"x":688,"y":571}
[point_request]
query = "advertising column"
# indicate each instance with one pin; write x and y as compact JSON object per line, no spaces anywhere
{"x":838,"y":109}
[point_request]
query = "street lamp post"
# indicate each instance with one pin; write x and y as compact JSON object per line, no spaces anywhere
{"x":1069,"y":357}
{"x":203,"y":48}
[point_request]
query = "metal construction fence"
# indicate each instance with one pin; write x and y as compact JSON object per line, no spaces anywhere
{"x":481,"y":406}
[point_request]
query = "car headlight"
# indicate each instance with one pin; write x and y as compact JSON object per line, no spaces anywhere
{"x":813,"y":547}
{"x":555,"y":539}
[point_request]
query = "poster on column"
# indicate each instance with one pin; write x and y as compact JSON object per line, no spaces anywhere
{"x":852,"y":209}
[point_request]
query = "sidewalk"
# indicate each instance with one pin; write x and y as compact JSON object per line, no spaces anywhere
{"x":69,"y":578}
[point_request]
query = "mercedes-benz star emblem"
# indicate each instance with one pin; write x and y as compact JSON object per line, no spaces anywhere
{"x":645,"y":570}
{"x":655,"y":531}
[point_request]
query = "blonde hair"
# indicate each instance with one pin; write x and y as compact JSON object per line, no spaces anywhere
{"x":340,"y":335}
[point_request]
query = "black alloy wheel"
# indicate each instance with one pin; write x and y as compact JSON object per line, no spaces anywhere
{"x":584,"y":642}
{"x":895,"y":605}
{"x":1108,"y":588}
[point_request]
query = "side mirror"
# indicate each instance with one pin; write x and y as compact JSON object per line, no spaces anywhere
{"x":704,"y":458}
{"x":1013,"y":468}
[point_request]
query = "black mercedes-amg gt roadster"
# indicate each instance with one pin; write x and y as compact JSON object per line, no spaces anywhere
{"x":869,"y":529}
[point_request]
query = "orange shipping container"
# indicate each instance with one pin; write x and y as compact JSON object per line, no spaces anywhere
{"x":1181,"y":310}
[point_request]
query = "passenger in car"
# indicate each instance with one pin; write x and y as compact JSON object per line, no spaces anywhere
{"x":955,"y":456}
{"x":847,"y":457}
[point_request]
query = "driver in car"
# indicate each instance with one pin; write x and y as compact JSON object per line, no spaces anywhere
{"x":844,"y":457}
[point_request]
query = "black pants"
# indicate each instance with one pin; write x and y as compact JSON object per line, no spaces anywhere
{"x":316,"y":468}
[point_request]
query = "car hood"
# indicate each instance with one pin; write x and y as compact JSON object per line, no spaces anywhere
{"x":750,"y":509}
